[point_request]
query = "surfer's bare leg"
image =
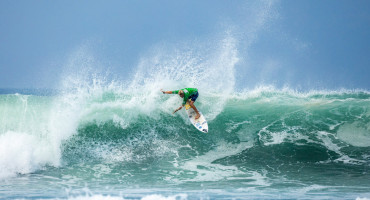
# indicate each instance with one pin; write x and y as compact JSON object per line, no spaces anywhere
{"x":191,"y":103}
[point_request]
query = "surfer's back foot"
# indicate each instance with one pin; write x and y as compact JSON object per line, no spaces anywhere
{"x":197,"y":117}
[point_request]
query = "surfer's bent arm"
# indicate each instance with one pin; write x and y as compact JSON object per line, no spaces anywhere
{"x":177,"y":110}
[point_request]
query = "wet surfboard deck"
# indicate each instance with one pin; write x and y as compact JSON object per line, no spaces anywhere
{"x":200,"y":123}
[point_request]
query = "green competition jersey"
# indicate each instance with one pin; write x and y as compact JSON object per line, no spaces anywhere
{"x":187,"y":93}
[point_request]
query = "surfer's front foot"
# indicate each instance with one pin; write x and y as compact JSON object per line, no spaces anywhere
{"x":197,"y":117}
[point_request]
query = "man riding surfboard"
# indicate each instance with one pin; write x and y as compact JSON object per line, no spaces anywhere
{"x":188,"y":94}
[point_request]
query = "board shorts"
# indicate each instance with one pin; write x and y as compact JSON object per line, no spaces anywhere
{"x":194,"y":96}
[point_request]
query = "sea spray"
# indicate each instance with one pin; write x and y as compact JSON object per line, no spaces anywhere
{"x":211,"y":71}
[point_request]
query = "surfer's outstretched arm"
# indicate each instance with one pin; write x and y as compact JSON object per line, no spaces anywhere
{"x":166,"y":92}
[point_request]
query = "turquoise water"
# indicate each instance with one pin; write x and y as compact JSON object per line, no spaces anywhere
{"x":105,"y":142}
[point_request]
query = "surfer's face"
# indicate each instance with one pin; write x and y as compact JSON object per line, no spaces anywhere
{"x":181,"y":94}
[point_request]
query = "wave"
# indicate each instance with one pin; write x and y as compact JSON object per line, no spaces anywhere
{"x":92,"y":119}
{"x":261,"y":126}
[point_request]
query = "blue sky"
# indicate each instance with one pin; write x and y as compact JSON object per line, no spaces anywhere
{"x":308,"y":44}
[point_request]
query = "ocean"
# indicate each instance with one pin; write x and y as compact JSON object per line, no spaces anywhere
{"x":99,"y":136}
{"x":122,"y":142}
{"x":282,"y":85}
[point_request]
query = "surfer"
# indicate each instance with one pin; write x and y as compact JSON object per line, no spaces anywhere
{"x":188,"y":94}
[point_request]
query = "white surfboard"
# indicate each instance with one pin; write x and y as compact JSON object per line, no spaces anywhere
{"x":200,"y":123}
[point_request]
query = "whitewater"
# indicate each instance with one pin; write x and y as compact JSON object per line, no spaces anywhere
{"x":97,"y":137}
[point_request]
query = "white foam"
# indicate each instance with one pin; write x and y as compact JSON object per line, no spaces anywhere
{"x":311,"y":188}
{"x":287,"y":133}
{"x":313,"y":95}
{"x":160,"y":197}
{"x":147,"y":197}
{"x":330,"y":145}
{"x":96,"y":197}
{"x":202,"y":167}
{"x":356,"y":134}
{"x":232,"y":125}
{"x":24,"y":153}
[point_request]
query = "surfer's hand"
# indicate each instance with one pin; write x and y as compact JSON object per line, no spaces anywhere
{"x":162,"y":91}
{"x":177,"y":110}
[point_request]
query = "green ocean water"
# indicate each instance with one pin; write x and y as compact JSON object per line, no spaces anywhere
{"x":264,"y":143}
